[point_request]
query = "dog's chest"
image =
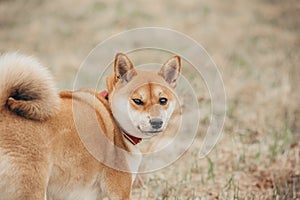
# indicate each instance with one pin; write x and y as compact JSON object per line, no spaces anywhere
{"x":73,"y":194}
{"x":73,"y":184}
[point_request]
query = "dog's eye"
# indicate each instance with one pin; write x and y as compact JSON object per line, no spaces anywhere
{"x":138,"y":102}
{"x":163,"y":101}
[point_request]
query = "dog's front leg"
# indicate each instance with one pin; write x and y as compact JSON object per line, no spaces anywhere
{"x":117,"y":184}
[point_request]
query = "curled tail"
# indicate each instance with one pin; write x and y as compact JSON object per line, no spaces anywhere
{"x":27,"y":88}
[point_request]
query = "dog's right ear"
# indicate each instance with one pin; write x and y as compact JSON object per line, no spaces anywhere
{"x":123,"y":68}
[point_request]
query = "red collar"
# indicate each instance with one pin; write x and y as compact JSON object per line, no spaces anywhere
{"x":134,"y":140}
{"x":104,"y":94}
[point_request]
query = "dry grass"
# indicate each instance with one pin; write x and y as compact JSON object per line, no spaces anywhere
{"x":256,"y":45}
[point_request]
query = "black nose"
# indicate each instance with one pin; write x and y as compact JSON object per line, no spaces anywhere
{"x":156,"y":123}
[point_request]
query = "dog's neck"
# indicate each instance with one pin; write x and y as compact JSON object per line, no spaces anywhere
{"x":132,"y":139}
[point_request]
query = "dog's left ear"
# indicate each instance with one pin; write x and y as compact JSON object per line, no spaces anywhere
{"x":170,"y":70}
{"x":123,"y":67}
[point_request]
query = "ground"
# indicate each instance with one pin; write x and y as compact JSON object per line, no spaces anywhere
{"x":255,"y":45}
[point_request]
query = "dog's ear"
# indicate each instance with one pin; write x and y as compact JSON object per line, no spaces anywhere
{"x":123,"y":67}
{"x":170,"y":70}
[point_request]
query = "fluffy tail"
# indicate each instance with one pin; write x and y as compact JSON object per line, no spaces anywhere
{"x":27,"y":88}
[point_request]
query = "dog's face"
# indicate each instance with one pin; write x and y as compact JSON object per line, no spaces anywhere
{"x":142,"y":102}
{"x":150,"y":107}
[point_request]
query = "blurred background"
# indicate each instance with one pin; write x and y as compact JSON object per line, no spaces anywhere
{"x":255,"y":45}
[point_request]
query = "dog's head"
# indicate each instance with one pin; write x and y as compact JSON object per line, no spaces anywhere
{"x":142,"y":102}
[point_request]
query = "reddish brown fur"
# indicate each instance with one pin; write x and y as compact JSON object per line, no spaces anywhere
{"x":57,"y":138}
{"x":46,"y":155}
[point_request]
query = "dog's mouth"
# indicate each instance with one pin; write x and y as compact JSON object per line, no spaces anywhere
{"x":150,"y":132}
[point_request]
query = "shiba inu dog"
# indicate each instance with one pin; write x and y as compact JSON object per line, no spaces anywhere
{"x":42,"y":155}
